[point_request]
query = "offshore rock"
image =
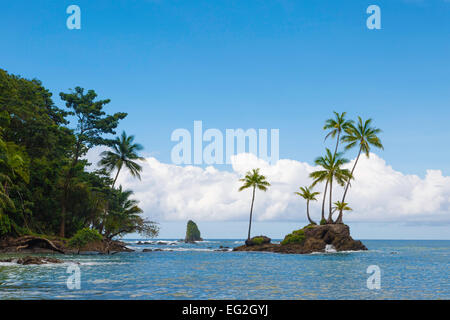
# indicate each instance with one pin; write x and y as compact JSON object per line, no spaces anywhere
{"x":312,"y":238}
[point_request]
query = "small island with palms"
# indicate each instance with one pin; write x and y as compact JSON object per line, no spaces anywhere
{"x":330,"y":234}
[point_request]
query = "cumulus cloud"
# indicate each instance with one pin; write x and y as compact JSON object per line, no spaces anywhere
{"x":169,"y":192}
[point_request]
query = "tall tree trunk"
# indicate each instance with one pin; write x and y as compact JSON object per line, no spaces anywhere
{"x":117,"y":175}
{"x":66,"y":190}
{"x":62,"y":226}
{"x":307,"y":213}
{"x":323,"y":201}
{"x":330,"y":220}
{"x":337,"y":143}
{"x":339,"y":219}
{"x":251,"y":213}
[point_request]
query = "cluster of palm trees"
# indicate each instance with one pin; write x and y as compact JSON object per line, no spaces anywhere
{"x":360,"y":134}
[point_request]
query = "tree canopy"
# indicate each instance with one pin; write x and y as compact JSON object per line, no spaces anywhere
{"x":45,"y":187}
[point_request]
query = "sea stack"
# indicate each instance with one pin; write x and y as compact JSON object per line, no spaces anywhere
{"x":192,"y":232}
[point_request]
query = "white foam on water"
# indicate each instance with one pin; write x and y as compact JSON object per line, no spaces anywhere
{"x":329,"y":248}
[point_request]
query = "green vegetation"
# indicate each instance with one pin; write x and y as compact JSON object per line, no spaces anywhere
{"x":308,"y":195}
{"x":253,"y":180}
{"x":258,"y":240}
{"x":297,"y":236}
{"x":84,"y":237}
{"x":192,"y":232}
{"x":331,"y":165}
{"x":45,"y":187}
{"x":331,"y":170}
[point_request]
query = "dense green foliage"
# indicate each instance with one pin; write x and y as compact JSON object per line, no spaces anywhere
{"x":192,"y":232}
{"x":297,"y":236}
{"x":45,"y":186}
{"x":258,"y":240}
{"x":84,"y":237}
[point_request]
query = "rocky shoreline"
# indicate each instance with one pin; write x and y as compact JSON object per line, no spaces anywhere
{"x":42,"y":245}
{"x":312,"y":238}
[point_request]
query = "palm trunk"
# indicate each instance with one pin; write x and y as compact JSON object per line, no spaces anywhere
{"x":251,"y":213}
{"x":337,"y":143}
{"x":323,"y":202}
{"x":339,"y":219}
{"x":117,"y":175}
{"x":307,"y":213}
{"x":331,"y":189}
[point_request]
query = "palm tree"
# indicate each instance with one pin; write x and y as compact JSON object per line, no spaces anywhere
{"x":124,"y":153}
{"x":123,"y":212}
{"x":365,"y":136}
{"x":254,"y":180}
{"x":337,"y":126}
{"x":308,"y":196}
{"x":341,"y":206}
{"x":331,"y":170}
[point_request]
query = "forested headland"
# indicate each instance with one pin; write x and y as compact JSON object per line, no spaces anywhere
{"x":46,"y":186}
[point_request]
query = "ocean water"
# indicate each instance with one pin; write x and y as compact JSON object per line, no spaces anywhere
{"x":409,"y":269}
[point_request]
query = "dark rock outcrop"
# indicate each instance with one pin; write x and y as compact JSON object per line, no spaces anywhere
{"x":30,"y":244}
{"x":313,"y":238}
{"x":32,"y":260}
{"x":35,"y":244}
{"x":192,"y":232}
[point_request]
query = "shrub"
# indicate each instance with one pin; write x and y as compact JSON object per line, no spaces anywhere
{"x":323,"y":221}
{"x":83,"y":237}
{"x":297,"y":236}
{"x":258,"y":240}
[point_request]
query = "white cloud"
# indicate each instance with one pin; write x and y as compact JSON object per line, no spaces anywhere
{"x":169,"y":192}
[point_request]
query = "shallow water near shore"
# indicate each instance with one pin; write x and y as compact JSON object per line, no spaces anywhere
{"x":410,"y":269}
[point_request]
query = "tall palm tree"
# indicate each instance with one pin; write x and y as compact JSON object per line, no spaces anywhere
{"x":124,"y":152}
{"x":336,"y":126}
{"x":331,"y":170}
{"x":253,"y":180}
{"x":364,"y":135}
{"x":308,"y":195}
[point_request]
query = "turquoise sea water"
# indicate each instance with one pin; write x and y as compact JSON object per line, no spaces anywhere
{"x":410,"y":269}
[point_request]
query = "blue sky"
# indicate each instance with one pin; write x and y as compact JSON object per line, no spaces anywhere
{"x":249,"y":64}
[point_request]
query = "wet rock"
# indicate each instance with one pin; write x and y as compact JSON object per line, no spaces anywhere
{"x":32,"y":260}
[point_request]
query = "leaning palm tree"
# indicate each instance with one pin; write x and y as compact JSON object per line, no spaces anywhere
{"x":253,"y":180}
{"x":331,"y":170}
{"x":365,"y":136}
{"x":308,"y":195}
{"x":336,"y":126}
{"x":124,"y":152}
